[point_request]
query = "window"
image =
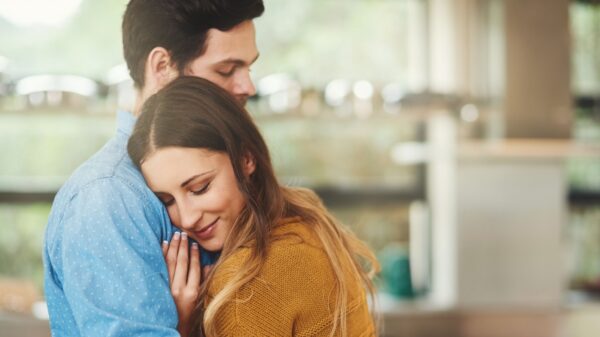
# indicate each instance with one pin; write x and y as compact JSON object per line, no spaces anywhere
{"x":584,"y":174}
{"x":373,"y":48}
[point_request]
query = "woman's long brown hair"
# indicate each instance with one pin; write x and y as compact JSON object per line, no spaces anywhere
{"x":195,"y":113}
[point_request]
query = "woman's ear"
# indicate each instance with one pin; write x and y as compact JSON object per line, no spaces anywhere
{"x":249,"y":164}
{"x":160,"y":69}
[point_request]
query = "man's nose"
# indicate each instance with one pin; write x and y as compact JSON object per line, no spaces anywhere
{"x":245,"y":86}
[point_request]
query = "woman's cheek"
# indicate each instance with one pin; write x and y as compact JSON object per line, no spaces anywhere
{"x":173,"y":215}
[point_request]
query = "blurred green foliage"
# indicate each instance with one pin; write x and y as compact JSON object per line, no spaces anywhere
{"x":48,"y":144}
{"x":21,"y":239}
{"x":584,"y":248}
{"x":88,"y":44}
{"x":45,"y":147}
{"x":585,"y":61}
{"x":314,"y":40}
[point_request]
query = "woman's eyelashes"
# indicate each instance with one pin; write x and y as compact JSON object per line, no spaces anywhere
{"x":200,"y":189}
{"x":169,"y":200}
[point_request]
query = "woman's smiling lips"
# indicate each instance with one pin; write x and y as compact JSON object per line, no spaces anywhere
{"x":207,"y":232}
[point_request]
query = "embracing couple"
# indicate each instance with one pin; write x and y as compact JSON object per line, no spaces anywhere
{"x":178,"y":225}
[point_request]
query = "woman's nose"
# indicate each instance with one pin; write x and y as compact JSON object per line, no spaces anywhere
{"x":189,"y":216}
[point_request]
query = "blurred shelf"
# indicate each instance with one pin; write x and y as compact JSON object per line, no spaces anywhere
{"x":578,"y":299}
{"x":391,"y":307}
{"x":10,"y":197}
{"x":331,"y":195}
{"x":423,"y":318}
{"x":584,"y":197}
{"x":527,"y":149}
{"x":18,"y":325}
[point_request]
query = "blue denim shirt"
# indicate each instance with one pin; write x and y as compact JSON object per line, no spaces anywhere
{"x":104,"y":272}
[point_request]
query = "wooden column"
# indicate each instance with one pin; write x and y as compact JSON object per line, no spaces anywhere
{"x":538,"y":77}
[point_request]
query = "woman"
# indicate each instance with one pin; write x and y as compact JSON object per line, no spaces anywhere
{"x":287,"y":267}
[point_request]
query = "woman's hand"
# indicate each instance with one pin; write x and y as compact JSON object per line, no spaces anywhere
{"x":184,"y":277}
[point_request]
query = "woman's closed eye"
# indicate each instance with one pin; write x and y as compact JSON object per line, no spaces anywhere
{"x":200,"y":189}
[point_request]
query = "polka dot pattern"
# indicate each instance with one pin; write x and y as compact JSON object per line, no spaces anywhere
{"x":104,"y":270}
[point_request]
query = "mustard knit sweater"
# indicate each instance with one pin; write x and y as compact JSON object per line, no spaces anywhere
{"x":292,"y":295}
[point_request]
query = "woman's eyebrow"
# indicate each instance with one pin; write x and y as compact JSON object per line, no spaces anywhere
{"x":185,"y":183}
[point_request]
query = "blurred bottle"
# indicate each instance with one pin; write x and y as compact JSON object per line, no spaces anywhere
{"x":395,"y":271}
{"x":392,"y":94}
{"x":3,"y":80}
{"x":363,"y":99}
{"x":338,"y":94}
{"x":280,"y":93}
{"x":121,"y":91}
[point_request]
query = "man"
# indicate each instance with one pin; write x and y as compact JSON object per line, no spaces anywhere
{"x":104,"y":269}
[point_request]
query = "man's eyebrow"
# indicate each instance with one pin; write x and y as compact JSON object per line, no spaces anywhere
{"x":185,"y":183}
{"x":238,"y":62}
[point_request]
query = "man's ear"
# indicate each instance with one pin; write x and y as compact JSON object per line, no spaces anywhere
{"x":249,"y":164}
{"x":160,"y":70}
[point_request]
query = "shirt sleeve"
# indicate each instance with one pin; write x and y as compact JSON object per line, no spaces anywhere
{"x":113,"y":272}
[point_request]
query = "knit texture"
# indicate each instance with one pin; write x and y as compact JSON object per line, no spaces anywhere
{"x":292,"y":295}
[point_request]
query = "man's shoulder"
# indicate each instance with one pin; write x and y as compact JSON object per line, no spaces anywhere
{"x":110,"y":180}
{"x":108,"y":191}
{"x":111,"y":165}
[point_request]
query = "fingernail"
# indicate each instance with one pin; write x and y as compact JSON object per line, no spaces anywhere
{"x":194,"y":245}
{"x":183,"y":235}
{"x":176,"y":236}
{"x":165,"y":243}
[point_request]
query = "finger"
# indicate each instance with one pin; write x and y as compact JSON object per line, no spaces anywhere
{"x":194,"y":276}
{"x":206,"y":270}
{"x":181,"y":269}
{"x":165,"y":248}
{"x":172,"y":255}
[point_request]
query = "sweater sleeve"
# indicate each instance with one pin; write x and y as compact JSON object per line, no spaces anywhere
{"x":291,"y":296}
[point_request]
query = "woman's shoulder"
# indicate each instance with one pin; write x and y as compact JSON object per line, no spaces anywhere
{"x":294,"y":286}
{"x":294,"y":252}
{"x":292,"y":238}
{"x":294,"y":227}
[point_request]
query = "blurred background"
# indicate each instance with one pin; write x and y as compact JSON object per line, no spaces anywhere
{"x":459,"y":138}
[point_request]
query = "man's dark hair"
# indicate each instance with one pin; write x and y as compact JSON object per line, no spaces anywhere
{"x":179,"y":26}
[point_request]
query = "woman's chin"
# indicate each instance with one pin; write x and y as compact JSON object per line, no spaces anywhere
{"x":211,"y":246}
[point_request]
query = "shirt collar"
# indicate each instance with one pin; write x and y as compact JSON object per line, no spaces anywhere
{"x":125,"y":122}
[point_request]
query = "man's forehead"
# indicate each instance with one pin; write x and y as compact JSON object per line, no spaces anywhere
{"x":233,"y":46}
